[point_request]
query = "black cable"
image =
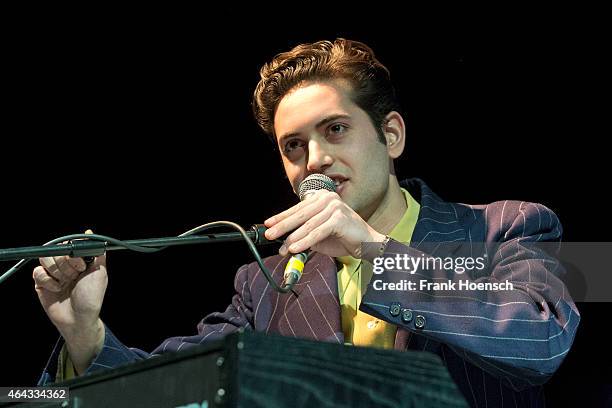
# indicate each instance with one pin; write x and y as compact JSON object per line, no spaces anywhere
{"x":138,"y":248}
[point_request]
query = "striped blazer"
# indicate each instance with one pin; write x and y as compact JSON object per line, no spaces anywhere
{"x":499,"y":347}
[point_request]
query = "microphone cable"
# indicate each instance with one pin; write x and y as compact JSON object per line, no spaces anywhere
{"x":287,"y":286}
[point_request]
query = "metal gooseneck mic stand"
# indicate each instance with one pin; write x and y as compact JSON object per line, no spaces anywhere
{"x":89,"y":245}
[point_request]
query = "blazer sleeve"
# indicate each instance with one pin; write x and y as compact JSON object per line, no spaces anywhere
{"x":214,"y":326}
{"x":520,"y":335}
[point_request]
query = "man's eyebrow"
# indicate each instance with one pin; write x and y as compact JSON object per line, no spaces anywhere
{"x":320,"y":123}
{"x":331,"y":118}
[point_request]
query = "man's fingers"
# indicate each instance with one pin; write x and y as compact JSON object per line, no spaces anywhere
{"x":60,"y":268}
{"x":77,"y":264}
{"x":272,"y":221}
{"x":42,"y":280}
{"x":67,"y":271}
{"x":298,"y":214}
{"x":315,"y":236}
{"x":52,"y":269}
{"x":308,"y":226}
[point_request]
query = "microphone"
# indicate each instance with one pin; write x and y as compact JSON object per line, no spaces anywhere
{"x":314,"y":183}
{"x":308,"y":186}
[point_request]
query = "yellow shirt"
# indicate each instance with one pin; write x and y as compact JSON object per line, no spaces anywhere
{"x":360,"y":328}
{"x":65,"y":368}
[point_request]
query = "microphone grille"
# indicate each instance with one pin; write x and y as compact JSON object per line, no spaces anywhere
{"x":313,"y":183}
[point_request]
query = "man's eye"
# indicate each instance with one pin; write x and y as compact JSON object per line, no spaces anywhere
{"x":337,"y":128}
{"x":292,"y":145}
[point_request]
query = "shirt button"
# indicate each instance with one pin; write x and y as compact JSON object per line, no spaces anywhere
{"x":406,"y":315}
{"x":419,"y":321}
{"x":394,"y":309}
{"x":372,"y":324}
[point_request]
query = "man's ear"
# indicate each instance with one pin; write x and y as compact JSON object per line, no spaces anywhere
{"x":394,"y":130}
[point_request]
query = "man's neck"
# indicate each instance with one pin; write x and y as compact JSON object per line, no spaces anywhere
{"x":391,"y":209}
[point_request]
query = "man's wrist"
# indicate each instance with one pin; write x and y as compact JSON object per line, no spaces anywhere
{"x":375,"y":248}
{"x":84,"y":345}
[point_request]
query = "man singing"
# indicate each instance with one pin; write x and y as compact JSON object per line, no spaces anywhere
{"x":330,"y":107}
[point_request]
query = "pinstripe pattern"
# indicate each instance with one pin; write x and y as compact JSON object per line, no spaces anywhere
{"x":510,"y":341}
{"x":499,"y":349}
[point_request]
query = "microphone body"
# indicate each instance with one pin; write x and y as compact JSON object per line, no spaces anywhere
{"x":308,"y":186}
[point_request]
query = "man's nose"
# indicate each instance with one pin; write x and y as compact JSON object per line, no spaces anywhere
{"x":319,"y":158}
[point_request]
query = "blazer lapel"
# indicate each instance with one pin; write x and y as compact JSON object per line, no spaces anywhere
{"x":312,"y":310}
{"x":440,"y":225}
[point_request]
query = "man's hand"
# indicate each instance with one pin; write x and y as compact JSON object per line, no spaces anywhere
{"x":71,"y":293}
{"x":324,"y":224}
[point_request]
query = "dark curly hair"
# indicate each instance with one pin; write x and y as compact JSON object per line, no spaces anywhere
{"x":352,"y":61}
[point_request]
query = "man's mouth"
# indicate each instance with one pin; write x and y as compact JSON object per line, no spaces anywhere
{"x":339,"y":182}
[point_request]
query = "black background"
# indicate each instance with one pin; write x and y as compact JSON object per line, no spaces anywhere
{"x":141,"y":126}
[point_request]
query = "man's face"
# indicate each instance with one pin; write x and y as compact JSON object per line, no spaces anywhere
{"x":320,"y":130}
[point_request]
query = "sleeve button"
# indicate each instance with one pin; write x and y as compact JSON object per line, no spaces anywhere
{"x":406,"y":315}
{"x":394,"y":309}
{"x":419,"y":321}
